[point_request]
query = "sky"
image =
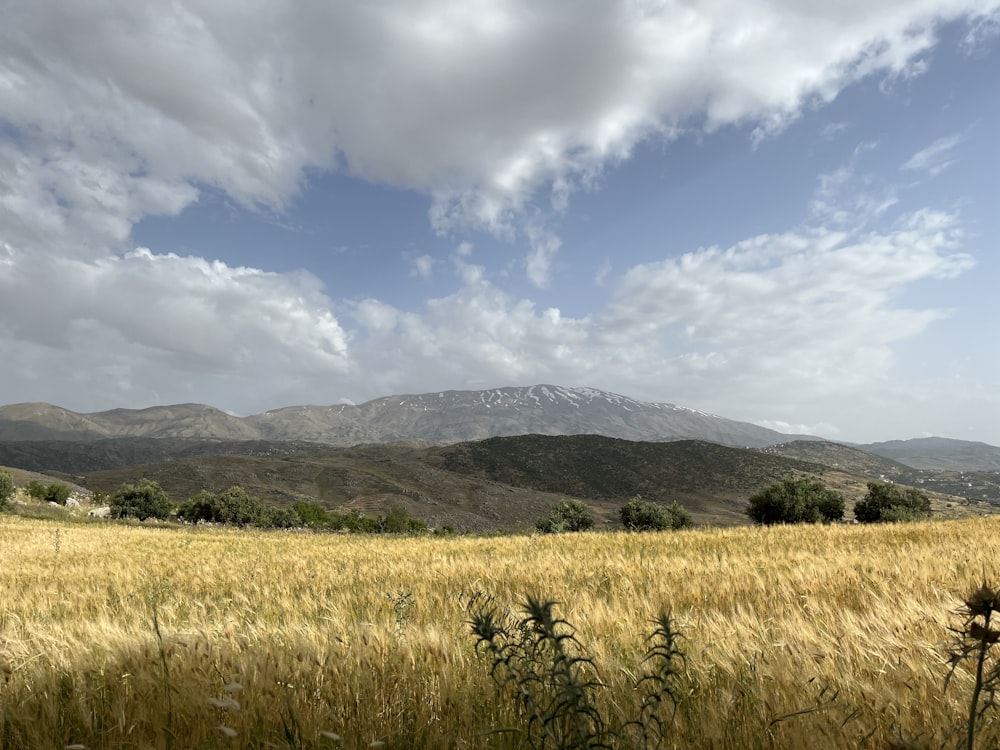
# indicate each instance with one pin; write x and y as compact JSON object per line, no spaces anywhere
{"x":784,"y":212}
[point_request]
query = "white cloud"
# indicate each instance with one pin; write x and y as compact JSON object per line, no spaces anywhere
{"x":936,"y":157}
{"x":182,"y":314}
{"x":983,"y":28}
{"x":831,"y":130}
{"x":822,"y":429}
{"x":544,"y":246}
{"x":423,"y":266}
{"x":851,"y":196}
{"x":481,"y":105}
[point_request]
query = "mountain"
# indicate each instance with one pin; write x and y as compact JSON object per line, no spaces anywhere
{"x":939,"y":454}
{"x":46,"y":422}
{"x":443,"y":417}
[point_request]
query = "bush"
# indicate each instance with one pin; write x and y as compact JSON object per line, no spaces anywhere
{"x":7,"y":489}
{"x":569,"y":515}
{"x":144,"y":500}
{"x":56,"y":492}
{"x":200,"y":507}
{"x":641,"y":515}
{"x":889,"y":502}
{"x":312,"y":515}
{"x":282,"y":518}
{"x":796,"y":501}
{"x":236,"y":507}
{"x":679,"y":517}
{"x":398,"y":521}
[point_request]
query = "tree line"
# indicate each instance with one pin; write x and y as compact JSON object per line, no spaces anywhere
{"x":787,"y":501}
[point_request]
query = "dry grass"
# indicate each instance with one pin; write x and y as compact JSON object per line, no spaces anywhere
{"x":845,"y":624}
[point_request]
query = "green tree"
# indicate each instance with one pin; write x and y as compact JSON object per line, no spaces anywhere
{"x":399,"y":521}
{"x":235,"y":506}
{"x":641,"y":515}
{"x":7,"y":488}
{"x":569,"y":515}
{"x":796,"y":501}
{"x":679,"y":516}
{"x":56,"y":492}
{"x":282,"y":518}
{"x":890,"y":502}
{"x":200,"y":507}
{"x":143,"y":500}
{"x":312,"y":515}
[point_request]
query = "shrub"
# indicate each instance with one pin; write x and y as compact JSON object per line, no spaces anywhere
{"x":143,"y":500}
{"x":281,"y":518}
{"x":56,"y":492}
{"x":679,"y":517}
{"x":312,"y":515}
{"x":569,"y":515}
{"x":236,"y":507}
{"x":7,"y":489}
{"x":796,"y":501}
{"x":200,"y":507}
{"x":641,"y":515}
{"x":398,"y":521}
{"x":889,"y":502}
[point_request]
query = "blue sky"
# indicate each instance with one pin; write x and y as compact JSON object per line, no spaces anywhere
{"x":784,"y":213}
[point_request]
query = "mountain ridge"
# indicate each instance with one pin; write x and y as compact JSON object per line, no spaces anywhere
{"x":439,"y":417}
{"x":939,"y":454}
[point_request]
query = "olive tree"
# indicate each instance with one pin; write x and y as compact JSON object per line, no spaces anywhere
{"x":890,"y":502}
{"x":569,"y":515}
{"x":143,"y":500}
{"x":641,"y":515}
{"x":796,"y":501}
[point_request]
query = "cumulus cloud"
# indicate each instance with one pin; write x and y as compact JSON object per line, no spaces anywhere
{"x":182,"y":314}
{"x":813,"y":307}
{"x":481,"y":105}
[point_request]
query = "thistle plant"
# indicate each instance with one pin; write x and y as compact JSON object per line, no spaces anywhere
{"x":974,"y":641}
{"x":540,"y":660}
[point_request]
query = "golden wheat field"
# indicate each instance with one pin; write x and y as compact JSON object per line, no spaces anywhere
{"x":115,"y":636}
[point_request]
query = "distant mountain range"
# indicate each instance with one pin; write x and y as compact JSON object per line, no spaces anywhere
{"x":942,"y":454}
{"x":443,"y":417}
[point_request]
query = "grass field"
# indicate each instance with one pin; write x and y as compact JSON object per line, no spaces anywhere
{"x":118,"y":636}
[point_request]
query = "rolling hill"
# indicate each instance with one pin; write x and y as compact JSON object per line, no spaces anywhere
{"x":499,"y":483}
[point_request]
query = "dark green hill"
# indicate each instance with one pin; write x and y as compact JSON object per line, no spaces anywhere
{"x":494,"y":484}
{"x":83,"y":456}
{"x":596,"y":467}
{"x":499,"y":483}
